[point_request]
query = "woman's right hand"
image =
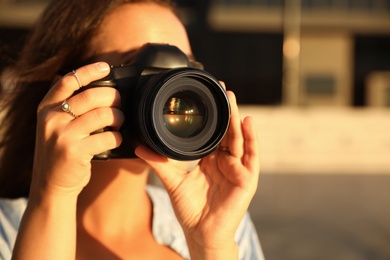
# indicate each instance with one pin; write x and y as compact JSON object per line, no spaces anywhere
{"x":64,"y":146}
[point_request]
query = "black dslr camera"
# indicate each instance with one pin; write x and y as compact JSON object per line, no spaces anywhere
{"x":173,"y":108}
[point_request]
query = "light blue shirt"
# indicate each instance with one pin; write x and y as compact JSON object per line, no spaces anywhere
{"x":166,"y":228}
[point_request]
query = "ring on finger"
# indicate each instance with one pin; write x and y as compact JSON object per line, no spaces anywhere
{"x":77,"y":78}
{"x":66,"y":108}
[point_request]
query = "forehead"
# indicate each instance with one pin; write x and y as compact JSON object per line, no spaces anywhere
{"x":130,"y":26}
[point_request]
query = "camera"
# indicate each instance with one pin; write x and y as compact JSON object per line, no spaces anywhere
{"x":177,"y":110}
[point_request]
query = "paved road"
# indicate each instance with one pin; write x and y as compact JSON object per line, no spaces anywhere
{"x":323,"y":216}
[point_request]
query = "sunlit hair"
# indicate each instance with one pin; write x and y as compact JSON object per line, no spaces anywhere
{"x":58,"y":43}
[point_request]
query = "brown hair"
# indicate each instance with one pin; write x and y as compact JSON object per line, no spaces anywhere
{"x":58,"y":43}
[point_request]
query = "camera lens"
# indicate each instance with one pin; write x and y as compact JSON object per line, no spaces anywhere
{"x":184,"y":114}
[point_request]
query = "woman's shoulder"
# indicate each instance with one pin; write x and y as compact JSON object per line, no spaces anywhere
{"x":11,"y":212}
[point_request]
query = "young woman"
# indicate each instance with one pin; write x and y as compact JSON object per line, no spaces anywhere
{"x":86,"y":209}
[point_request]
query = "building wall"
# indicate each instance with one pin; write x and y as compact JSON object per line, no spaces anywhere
{"x":326,"y":68}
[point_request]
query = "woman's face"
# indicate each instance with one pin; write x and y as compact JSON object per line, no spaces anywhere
{"x":130,"y":26}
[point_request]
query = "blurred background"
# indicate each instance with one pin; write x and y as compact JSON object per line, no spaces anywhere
{"x":315,"y":75}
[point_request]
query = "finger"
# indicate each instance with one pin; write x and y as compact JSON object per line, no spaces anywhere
{"x":65,"y":87}
{"x":160,"y":165}
{"x":101,"y":142}
{"x":94,"y":98}
{"x":234,"y":135}
{"x":225,"y":141}
{"x":252,"y":150}
{"x":96,"y":119}
{"x":148,"y":155}
{"x":222,"y":84}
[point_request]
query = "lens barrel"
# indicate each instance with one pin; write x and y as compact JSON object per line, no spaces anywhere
{"x":182,"y":113}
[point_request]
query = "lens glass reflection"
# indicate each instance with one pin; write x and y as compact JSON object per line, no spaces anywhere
{"x":184,"y":114}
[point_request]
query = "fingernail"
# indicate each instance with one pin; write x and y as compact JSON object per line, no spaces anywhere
{"x":102,"y":66}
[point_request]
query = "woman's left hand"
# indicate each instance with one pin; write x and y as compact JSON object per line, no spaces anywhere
{"x":210,"y":200}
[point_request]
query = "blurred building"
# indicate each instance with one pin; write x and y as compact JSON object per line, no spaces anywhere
{"x":329,"y":55}
{"x":301,"y":52}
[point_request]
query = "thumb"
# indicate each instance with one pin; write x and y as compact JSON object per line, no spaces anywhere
{"x":170,"y":172}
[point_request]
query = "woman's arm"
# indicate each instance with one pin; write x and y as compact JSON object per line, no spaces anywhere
{"x":64,"y":149}
{"x":48,"y":228}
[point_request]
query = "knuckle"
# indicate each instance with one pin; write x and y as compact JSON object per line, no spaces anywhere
{"x":46,"y":120}
{"x":40,"y":108}
{"x":41,"y":113}
{"x":66,"y":80}
{"x":65,"y":144}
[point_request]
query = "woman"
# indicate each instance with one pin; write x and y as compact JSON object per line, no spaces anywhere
{"x":105,"y":210}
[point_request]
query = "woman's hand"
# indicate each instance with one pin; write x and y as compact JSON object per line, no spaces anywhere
{"x":64,"y":147}
{"x":210,"y":200}
{"x":62,"y":161}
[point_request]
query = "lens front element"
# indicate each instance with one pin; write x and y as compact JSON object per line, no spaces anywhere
{"x":184,"y":114}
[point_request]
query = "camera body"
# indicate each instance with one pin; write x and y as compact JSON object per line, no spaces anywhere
{"x":173,"y":108}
